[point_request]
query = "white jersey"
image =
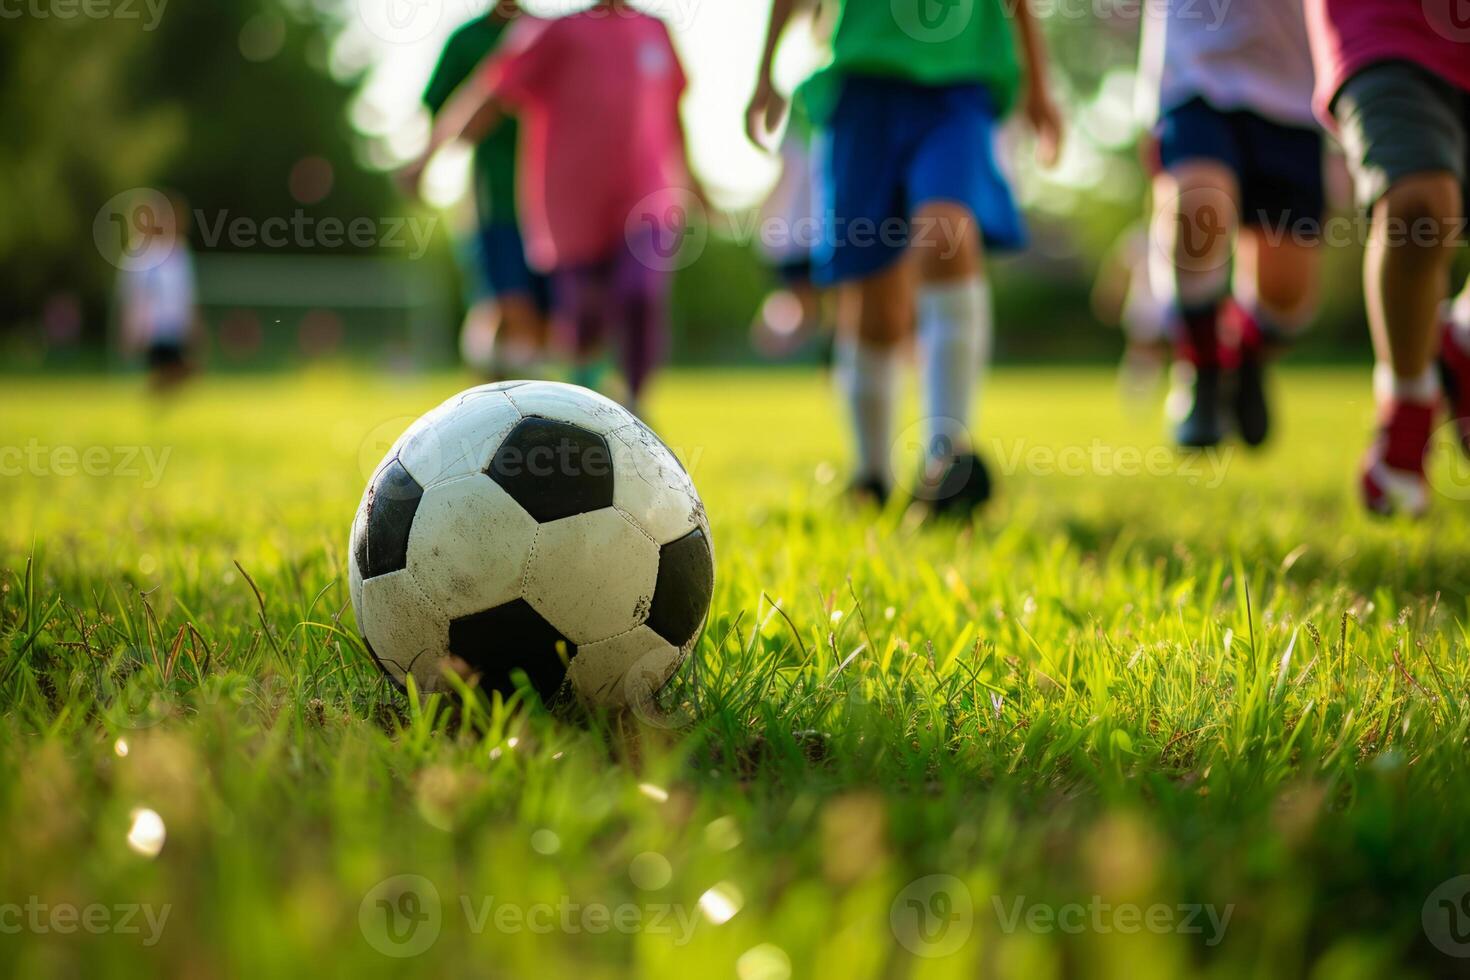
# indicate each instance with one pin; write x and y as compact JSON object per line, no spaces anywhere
{"x":158,"y":301}
{"x":1235,"y":54}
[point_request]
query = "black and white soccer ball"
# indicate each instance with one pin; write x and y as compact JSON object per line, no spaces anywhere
{"x":536,"y":527}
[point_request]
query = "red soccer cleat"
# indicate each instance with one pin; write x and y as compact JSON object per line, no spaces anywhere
{"x":1393,"y":480}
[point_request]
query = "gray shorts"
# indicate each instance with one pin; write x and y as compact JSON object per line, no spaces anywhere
{"x":1396,"y":120}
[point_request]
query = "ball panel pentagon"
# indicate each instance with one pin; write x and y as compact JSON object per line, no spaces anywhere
{"x":496,"y":642}
{"x":385,"y":518}
{"x":686,"y":580}
{"x":457,"y":438}
{"x":651,"y":486}
{"x":554,"y":470}
{"x":593,"y":575}
{"x":469,"y":543}
{"x":404,"y":630}
{"x":569,"y":403}
{"x":628,"y":669}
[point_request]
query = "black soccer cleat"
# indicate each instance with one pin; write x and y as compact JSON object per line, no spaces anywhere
{"x":868,"y":491}
{"x":1202,"y":428}
{"x":1252,"y":410}
{"x":960,"y":488}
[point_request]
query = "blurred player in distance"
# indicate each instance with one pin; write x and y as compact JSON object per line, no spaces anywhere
{"x":504,"y":330}
{"x":906,"y":113}
{"x":1239,"y":201}
{"x":606,"y":186}
{"x":157,"y":298}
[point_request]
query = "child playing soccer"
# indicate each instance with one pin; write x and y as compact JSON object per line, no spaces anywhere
{"x":1394,"y":79}
{"x":507,"y":318}
{"x":157,"y":298}
{"x":1242,"y":168}
{"x":603,"y":172}
{"x":906,"y":114}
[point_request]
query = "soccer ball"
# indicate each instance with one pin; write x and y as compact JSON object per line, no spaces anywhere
{"x":536,"y":527}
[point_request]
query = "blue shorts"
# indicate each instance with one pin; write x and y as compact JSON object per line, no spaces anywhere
{"x":1279,"y":167}
{"x":891,"y":147}
{"x":503,"y":266}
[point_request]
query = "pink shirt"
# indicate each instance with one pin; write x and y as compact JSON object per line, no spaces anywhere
{"x":598,"y":98}
{"x":1349,"y":35}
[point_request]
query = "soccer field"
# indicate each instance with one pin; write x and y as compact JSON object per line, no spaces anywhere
{"x":1151,"y":716}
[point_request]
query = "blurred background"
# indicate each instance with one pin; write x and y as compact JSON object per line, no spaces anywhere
{"x":276,"y":125}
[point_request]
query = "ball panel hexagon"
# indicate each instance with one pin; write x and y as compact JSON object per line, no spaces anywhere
{"x":626,"y":669}
{"x":569,"y":403}
{"x":380,"y":538}
{"x":405,"y":630}
{"x":457,"y":438}
{"x":554,"y":470}
{"x":468,"y":546}
{"x":686,"y":580}
{"x":497,"y":642}
{"x":494,"y":387}
{"x":592,"y":576}
{"x":651,"y":485}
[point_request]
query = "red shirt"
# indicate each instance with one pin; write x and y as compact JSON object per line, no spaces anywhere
{"x":598,"y":98}
{"x":1349,"y":35}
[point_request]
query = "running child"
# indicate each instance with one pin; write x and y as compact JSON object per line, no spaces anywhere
{"x":505,"y":328}
{"x":1242,"y":161}
{"x":157,"y":297}
{"x":604,"y":177}
{"x":1394,"y":79}
{"x":906,"y":114}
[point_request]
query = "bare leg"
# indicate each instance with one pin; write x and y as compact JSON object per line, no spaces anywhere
{"x":1407,"y":269}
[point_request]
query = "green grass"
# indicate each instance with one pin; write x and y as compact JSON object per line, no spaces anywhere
{"x":1114,"y":690}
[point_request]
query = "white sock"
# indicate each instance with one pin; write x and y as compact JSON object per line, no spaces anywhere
{"x":1424,"y":388}
{"x":867,"y":376}
{"x":955,"y":327}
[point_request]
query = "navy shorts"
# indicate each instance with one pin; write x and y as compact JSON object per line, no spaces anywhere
{"x":1279,"y":167}
{"x":893,"y":146}
{"x":503,"y":265}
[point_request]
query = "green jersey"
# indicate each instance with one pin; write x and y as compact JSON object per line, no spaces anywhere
{"x":495,"y":157}
{"x":923,"y":42}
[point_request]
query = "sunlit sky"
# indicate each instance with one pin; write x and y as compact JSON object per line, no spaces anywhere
{"x":719,"y":41}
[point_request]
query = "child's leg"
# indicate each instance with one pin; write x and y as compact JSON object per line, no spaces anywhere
{"x":1277,"y":281}
{"x":955,"y":324}
{"x":1407,"y":270}
{"x":581,"y":298}
{"x":874,"y":315}
{"x":640,"y":300}
{"x":1405,"y":132}
{"x":1197,"y":222}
